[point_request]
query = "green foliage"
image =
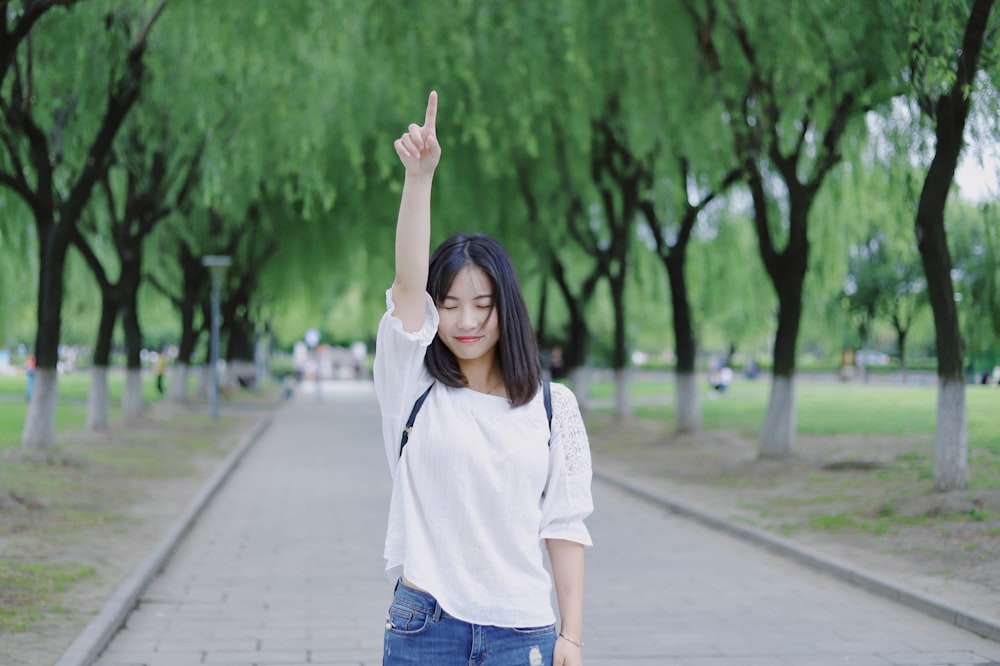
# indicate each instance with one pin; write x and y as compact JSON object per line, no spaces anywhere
{"x":300,"y":105}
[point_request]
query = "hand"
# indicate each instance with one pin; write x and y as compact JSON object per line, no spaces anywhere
{"x":566,"y":654}
{"x":418,"y":149}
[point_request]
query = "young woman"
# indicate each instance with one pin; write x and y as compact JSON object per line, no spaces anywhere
{"x":484,"y":479}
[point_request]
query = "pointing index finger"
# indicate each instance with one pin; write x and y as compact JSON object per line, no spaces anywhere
{"x":432,"y":107}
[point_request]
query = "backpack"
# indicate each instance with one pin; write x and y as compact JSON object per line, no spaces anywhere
{"x":546,"y":396}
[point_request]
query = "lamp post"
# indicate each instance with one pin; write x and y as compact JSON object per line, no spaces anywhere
{"x":216,"y":265}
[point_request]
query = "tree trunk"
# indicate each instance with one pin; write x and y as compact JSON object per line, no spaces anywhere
{"x":688,"y":407}
{"x":177,"y":379}
{"x":97,"y":399}
{"x":778,"y":434}
{"x":177,"y":389}
{"x":40,"y":422}
{"x":579,"y":379}
{"x":787,"y":271}
{"x":620,"y":360}
{"x":951,"y":439}
{"x":623,"y":400}
{"x":541,"y":332}
{"x":687,"y":403}
{"x":132,"y":401}
{"x":575,"y":355}
{"x":864,"y":355}
{"x":901,"y":341}
{"x":777,"y":437}
{"x":239,"y":342}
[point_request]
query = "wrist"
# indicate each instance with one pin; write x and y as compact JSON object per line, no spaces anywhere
{"x":419,"y":178}
{"x":572,"y":639}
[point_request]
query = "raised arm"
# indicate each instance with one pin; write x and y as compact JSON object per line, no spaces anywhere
{"x":419,"y":151}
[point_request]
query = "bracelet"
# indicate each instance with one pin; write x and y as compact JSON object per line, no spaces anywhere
{"x":566,"y":638}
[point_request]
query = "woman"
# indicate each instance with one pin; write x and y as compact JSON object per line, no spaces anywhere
{"x":484,"y":480}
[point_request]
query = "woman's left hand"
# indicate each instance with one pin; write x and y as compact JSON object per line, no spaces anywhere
{"x":566,"y":654}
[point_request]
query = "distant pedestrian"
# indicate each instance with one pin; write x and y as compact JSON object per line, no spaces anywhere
{"x":161,"y":367}
{"x":482,"y":480}
{"x":29,"y":372}
{"x":557,"y":364}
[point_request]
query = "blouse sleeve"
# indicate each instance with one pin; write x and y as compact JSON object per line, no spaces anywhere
{"x":399,"y":373}
{"x":567,"y":499}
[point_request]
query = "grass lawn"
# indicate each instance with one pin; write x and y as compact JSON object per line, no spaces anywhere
{"x":860,"y":481}
{"x":72,"y":411}
{"x":828,"y":408}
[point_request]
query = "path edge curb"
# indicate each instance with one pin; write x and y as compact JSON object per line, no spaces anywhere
{"x":95,"y":637}
{"x":977,"y":623}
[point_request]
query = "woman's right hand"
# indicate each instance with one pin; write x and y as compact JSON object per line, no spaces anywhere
{"x":418,"y":148}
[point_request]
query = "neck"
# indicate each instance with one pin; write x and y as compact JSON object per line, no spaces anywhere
{"x":482,"y":376}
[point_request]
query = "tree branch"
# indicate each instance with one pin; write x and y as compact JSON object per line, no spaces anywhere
{"x":10,"y":40}
{"x":123,"y":95}
{"x":88,"y":255}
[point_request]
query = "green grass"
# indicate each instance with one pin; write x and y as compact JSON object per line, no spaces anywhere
{"x":835,"y":502}
{"x":29,"y":590}
{"x":74,"y":386}
{"x":71,"y":413}
{"x":69,"y":416}
{"x":830,"y":408}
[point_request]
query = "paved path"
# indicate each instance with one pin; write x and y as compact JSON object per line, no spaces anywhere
{"x":284,"y":567}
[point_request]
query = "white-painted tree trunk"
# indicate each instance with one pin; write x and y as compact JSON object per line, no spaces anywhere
{"x":623,"y":397}
{"x":951,"y":437}
{"x":579,"y":379}
{"x":687,"y":403}
{"x":777,"y":436}
{"x":132,"y":403}
{"x":40,"y":422}
{"x":201,"y":383}
{"x":97,"y":399}
{"x":177,"y":377}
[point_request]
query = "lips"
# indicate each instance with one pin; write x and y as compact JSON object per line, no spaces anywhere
{"x":469,"y":340}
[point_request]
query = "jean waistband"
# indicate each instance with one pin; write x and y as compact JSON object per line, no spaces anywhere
{"x":418,"y":600}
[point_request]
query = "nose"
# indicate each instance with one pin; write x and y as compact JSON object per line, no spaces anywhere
{"x":468,"y":319}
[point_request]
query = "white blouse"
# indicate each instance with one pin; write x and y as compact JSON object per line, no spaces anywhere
{"x":478,"y":488}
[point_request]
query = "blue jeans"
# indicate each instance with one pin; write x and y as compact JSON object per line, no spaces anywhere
{"x":419,"y":633}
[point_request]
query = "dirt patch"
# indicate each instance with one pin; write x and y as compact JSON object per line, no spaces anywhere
{"x":865,"y":501}
{"x":101,"y":502}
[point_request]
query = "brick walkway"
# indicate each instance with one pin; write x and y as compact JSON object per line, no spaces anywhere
{"x":284,"y":567}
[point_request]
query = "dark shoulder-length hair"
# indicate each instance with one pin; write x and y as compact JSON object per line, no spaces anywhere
{"x":516,"y":350}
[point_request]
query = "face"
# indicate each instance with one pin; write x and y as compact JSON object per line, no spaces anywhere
{"x":469,"y":326}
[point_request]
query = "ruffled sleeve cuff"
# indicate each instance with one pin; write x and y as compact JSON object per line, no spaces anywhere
{"x":425,"y":335}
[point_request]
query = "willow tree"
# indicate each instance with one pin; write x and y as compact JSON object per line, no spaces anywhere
{"x":58,"y":135}
{"x":942,"y":88}
{"x":146,"y":183}
{"x":791,"y":96}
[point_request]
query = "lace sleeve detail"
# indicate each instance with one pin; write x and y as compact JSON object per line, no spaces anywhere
{"x":567,"y":425}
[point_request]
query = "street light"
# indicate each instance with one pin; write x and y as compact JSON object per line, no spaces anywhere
{"x":216,"y":265}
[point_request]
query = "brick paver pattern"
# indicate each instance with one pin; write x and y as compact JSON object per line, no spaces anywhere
{"x":285,"y":567}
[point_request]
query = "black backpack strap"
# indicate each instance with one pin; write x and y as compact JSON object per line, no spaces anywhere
{"x":547,"y":397}
{"x":413,"y":415}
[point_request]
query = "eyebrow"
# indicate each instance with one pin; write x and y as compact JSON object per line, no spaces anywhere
{"x":475,"y":298}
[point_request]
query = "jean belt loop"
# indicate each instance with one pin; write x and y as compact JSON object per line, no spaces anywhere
{"x":437,"y":611}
